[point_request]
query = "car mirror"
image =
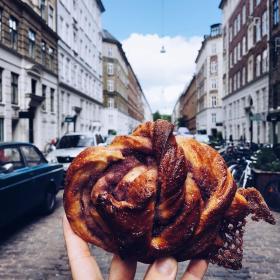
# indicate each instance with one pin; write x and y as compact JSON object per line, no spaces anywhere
{"x":7,"y":168}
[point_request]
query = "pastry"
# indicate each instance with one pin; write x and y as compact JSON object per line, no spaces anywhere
{"x":152,"y":194}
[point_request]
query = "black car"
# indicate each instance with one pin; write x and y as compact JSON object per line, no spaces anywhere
{"x":27,"y":181}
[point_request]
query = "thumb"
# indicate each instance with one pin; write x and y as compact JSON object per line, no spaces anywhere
{"x":163,"y":269}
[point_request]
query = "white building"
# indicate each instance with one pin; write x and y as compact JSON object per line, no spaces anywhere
{"x":80,"y":65}
{"x":28,"y":72}
{"x":209,"y":116}
{"x":245,"y":84}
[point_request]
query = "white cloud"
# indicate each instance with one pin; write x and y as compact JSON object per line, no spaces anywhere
{"x":162,"y":76}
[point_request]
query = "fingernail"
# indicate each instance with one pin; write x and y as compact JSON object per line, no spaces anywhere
{"x":166,"y":266}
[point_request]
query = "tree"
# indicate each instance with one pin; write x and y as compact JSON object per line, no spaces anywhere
{"x":156,"y":116}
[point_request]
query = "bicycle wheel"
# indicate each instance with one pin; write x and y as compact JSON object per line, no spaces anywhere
{"x":272,"y":195}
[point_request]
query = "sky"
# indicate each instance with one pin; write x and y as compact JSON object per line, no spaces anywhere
{"x":144,"y":26}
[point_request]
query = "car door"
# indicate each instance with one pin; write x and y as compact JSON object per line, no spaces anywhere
{"x":40,"y":174}
{"x":12,"y":184}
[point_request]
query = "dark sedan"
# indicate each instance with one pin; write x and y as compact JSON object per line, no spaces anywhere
{"x":27,"y":181}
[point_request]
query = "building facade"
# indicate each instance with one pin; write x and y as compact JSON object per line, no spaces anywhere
{"x":246,"y":66}
{"x":123,"y":95}
{"x":188,"y":106}
{"x":209,"y":83}
{"x":28,"y":71}
{"x":274,"y":73}
{"x":80,"y":65}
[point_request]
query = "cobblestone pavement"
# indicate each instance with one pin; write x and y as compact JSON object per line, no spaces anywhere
{"x":35,"y":250}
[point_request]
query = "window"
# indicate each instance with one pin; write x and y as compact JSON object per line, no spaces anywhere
{"x":214,"y":100}
{"x":244,"y":14}
{"x":31,"y":43}
{"x":250,"y":37}
{"x":238,"y":23}
{"x":33,"y":86}
{"x":51,"y":19}
{"x":10,"y":155}
{"x":14,"y":88}
{"x":258,"y":2}
{"x":43,"y":9}
{"x":264,"y":61}
{"x":251,"y":6}
{"x":1,"y":85}
{"x":213,"y":66}
{"x":250,"y":68}
{"x":111,"y":102}
{"x":110,"y":52}
{"x":264,"y":23}
{"x":52,"y":100}
{"x":214,"y":84}
{"x":258,"y":65}
{"x":244,"y":49}
{"x":258,"y":30}
{"x":243,"y":76}
{"x":32,"y":157}
{"x":51,"y":58}
{"x":238,"y":80}
{"x":44,"y":95}
{"x":110,"y":86}
{"x":214,"y":118}
{"x":275,"y":12}
{"x":13,"y":28}
{"x":110,"y":69}
{"x":230,"y":60}
{"x":1,"y":129}
{"x":43,"y":52}
{"x":214,"y":48}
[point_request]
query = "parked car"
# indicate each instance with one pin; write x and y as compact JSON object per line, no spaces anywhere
{"x":27,"y":181}
{"x":71,"y":144}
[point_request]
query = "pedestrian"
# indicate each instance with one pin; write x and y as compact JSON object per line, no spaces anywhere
{"x":84,"y":266}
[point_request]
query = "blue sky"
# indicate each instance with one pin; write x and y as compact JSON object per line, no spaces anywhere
{"x":180,"y":17}
{"x":143,"y":27}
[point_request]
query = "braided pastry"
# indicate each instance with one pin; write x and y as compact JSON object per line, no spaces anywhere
{"x":151,"y":195}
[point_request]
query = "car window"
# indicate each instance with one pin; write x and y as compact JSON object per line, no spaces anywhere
{"x":75,"y":141}
{"x":32,"y":157}
{"x":10,"y":155}
{"x":99,"y":139}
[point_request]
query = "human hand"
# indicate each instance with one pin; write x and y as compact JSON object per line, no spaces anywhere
{"x":84,"y":267}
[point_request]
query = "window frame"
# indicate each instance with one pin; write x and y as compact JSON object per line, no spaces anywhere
{"x":14,"y":88}
{"x":13,"y":30}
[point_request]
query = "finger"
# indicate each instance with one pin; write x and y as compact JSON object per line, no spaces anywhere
{"x":122,"y":269}
{"x":163,"y":269}
{"x":82,"y":263}
{"x":195,"y":270}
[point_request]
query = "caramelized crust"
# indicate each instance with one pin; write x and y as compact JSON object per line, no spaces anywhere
{"x":151,"y":194}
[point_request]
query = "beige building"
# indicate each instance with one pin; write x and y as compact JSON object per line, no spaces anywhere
{"x":123,"y":95}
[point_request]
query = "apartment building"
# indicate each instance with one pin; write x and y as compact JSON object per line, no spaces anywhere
{"x":274,"y":73}
{"x":80,"y":65}
{"x":123,"y":95}
{"x":209,"y":83}
{"x":188,"y":106}
{"x":28,"y":71}
{"x":246,"y":65}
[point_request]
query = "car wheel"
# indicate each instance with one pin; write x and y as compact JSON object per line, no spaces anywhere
{"x":272,"y":195}
{"x":49,"y":202}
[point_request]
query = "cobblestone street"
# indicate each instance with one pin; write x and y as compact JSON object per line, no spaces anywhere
{"x":35,"y":250}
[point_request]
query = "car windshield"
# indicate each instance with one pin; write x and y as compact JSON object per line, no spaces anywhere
{"x":75,"y":141}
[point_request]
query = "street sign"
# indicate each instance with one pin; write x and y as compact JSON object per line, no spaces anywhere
{"x":69,"y":119}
